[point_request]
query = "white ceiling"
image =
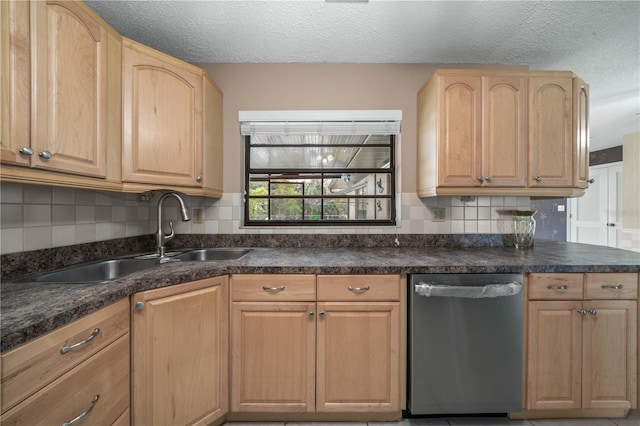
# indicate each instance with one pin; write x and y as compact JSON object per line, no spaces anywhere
{"x":598,"y":40}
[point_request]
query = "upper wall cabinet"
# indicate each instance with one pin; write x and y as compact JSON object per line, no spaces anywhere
{"x":56,"y":57}
{"x":494,"y":132}
{"x":172,"y":127}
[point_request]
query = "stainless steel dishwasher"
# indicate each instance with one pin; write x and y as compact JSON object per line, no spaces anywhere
{"x":465,"y":344}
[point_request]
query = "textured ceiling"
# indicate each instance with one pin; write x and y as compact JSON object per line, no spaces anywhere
{"x":599,"y":41}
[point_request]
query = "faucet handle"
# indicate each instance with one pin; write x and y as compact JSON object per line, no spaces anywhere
{"x":166,"y":237}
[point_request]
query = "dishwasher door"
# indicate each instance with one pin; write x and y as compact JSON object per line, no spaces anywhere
{"x":465,"y":344}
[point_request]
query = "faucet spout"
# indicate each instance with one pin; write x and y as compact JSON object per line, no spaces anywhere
{"x":161,"y":237}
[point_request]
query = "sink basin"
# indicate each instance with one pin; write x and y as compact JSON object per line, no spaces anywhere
{"x":104,"y":270}
{"x":107,"y":270}
{"x":213,"y":254}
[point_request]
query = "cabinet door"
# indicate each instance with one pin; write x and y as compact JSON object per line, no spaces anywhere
{"x":273,"y":356}
{"x":554,"y":355}
{"x":69,"y":86}
{"x":15,"y":85}
{"x":460,"y":131}
{"x":358,"y":367}
{"x":504,"y":135}
{"x":609,"y":359}
{"x":180,"y":357}
{"x":581,"y":133}
{"x":162,"y":118}
{"x":550,"y":132}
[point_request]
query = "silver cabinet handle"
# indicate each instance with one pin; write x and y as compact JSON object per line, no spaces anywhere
{"x":26,"y":151}
{"x":357,"y":289}
{"x":582,"y":312}
{"x":558,"y":287}
{"x":199,"y":179}
{"x":593,"y":311}
{"x":311,"y":314}
{"x":67,"y":348}
{"x":273,"y":289}
{"x":537,"y":179}
{"x":321,"y":314}
{"x":84,"y":413}
{"x":480,"y":179}
{"x":45,"y":155}
{"x":612,"y":287}
{"x":139,"y":306}
{"x":488,"y":179}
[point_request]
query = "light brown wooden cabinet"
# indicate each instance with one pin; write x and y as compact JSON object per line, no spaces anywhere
{"x":293,"y":354}
{"x":57,"y":95}
{"x":180,"y":353}
{"x":498,"y":132}
{"x":81,"y":107}
{"x":582,"y":342}
{"x":172,"y":126}
{"x":83,"y":365}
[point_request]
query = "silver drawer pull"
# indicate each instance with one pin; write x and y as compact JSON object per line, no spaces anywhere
{"x":612,"y":287}
{"x":357,"y":289}
{"x":67,"y":348}
{"x":558,"y":287}
{"x":582,"y":312}
{"x":84,"y":413}
{"x":273,"y":289}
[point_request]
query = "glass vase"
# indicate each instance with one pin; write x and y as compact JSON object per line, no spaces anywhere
{"x":524,"y":228}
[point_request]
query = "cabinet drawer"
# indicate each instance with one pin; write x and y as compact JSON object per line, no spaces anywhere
{"x":268,"y":287}
{"x":35,"y":364}
{"x":555,"y":286}
{"x":611,"y":286}
{"x":106,"y":374}
{"x":358,"y":287}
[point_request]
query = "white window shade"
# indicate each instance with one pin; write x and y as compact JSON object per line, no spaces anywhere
{"x":369,"y":122}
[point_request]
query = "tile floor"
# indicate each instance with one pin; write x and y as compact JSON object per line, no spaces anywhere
{"x":633,"y":419}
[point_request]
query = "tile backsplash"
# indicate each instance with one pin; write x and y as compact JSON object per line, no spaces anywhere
{"x":37,"y":217}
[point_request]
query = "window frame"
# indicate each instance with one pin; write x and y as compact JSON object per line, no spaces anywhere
{"x":321,"y":174}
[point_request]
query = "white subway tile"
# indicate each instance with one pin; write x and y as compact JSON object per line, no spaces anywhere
{"x":63,"y":235}
{"x":11,"y":192}
{"x":37,"y":238}
{"x":11,"y":240}
{"x":11,"y":216}
{"x":36,"y":215}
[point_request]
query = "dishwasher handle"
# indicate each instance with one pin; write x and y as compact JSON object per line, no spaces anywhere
{"x":471,"y":292}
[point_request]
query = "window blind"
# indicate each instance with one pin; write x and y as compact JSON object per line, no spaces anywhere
{"x":376,"y":122}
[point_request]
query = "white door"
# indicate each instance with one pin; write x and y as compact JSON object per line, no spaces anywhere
{"x":596,"y":217}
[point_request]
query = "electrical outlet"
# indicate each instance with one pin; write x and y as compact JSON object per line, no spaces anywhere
{"x":438,"y":214}
{"x":198,"y":215}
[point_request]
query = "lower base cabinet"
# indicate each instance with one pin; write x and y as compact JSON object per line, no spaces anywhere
{"x":357,"y":357}
{"x":79,"y":371}
{"x":180,"y":353}
{"x":296,"y":350}
{"x":582,"y":341}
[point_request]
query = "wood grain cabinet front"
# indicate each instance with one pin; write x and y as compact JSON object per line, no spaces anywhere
{"x":502,"y":132}
{"x":180,"y":353}
{"x":57,"y":95}
{"x":582,"y":353}
{"x":293,"y":351}
{"x":172,"y":129}
{"x":81,"y":368}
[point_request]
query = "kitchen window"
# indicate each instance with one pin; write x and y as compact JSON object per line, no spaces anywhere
{"x":306,"y":168}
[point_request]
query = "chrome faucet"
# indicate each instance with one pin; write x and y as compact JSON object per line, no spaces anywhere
{"x":161,"y":237}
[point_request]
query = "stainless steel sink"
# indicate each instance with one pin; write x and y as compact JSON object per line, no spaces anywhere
{"x":107,"y":270}
{"x":213,"y":254}
{"x":104,"y":270}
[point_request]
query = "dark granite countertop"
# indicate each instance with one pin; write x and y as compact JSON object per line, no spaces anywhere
{"x":29,"y":310}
